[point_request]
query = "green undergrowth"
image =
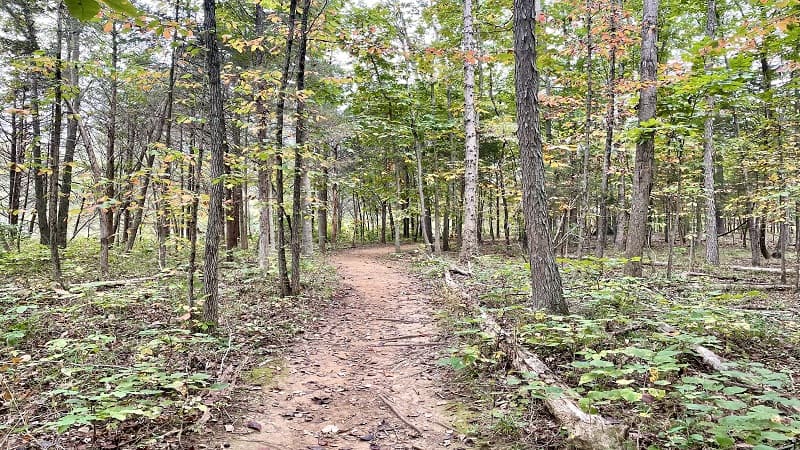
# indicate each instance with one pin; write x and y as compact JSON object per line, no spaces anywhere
{"x":617,"y":356}
{"x":126,"y":367}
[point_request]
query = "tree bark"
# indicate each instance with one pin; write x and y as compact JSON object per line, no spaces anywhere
{"x":106,"y":211}
{"x":546,"y":288}
{"x":73,"y":54}
{"x":645,"y":147}
{"x":469,"y":232}
{"x":300,"y":142}
{"x":55,"y":154}
{"x":583,"y":211}
{"x":712,"y":241}
{"x":602,"y":218}
{"x":216,"y":126}
{"x":283,"y":276}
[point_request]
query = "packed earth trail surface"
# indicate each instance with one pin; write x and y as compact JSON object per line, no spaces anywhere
{"x":370,"y":361}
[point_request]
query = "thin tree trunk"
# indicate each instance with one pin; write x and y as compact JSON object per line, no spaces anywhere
{"x":55,"y":151}
{"x":602,"y":218}
{"x":645,"y":147}
{"x":322,"y":211}
{"x":546,"y":291}
{"x":195,"y":173}
{"x":73,"y":54}
{"x":469,"y":232}
{"x":583,"y":211}
{"x":712,"y":242}
{"x":300,"y":139}
{"x":106,"y":213}
{"x":423,"y":212}
{"x":283,"y":276}
{"x":308,"y":214}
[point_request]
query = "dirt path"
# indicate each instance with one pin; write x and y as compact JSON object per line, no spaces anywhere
{"x":378,"y":344}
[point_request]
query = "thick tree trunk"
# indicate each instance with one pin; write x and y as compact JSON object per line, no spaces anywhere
{"x":645,"y":147}
{"x":216,"y":128}
{"x":712,"y":241}
{"x":469,"y":232}
{"x":546,"y":288}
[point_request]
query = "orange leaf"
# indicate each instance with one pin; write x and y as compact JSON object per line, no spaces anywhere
{"x":109,"y":26}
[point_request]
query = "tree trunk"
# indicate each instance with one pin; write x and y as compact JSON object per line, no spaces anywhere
{"x":106,"y":213}
{"x":546,"y":288}
{"x":469,"y":232}
{"x":583,"y":211}
{"x":73,"y":54}
{"x":645,"y":147}
{"x":300,"y":142}
{"x":712,"y":242}
{"x":308,"y":214}
{"x":602,"y":218}
{"x":191,"y":226}
{"x":55,"y":154}
{"x":423,"y":211}
{"x":216,"y":128}
{"x":322,"y":211}
{"x":263,"y":160}
{"x":283,"y":275}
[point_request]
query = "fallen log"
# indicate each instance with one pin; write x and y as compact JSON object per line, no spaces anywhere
{"x":586,"y":431}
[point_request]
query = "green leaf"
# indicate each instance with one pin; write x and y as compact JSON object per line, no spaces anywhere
{"x":731,"y":405}
{"x":122,"y":6}
{"x":775,"y":436}
{"x":83,"y":9}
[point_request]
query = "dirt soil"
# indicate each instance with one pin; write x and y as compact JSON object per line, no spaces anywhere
{"x":376,"y":346}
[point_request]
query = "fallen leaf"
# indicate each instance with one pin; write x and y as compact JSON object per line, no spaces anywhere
{"x":229,"y":428}
{"x":330,"y":429}
{"x":253,"y":425}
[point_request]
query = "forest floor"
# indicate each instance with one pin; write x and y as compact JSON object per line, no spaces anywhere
{"x":365,"y":377}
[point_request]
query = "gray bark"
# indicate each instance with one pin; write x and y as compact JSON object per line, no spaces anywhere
{"x":546,"y":290}
{"x":645,"y":148}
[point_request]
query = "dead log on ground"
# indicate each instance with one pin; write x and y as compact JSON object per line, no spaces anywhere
{"x":586,"y":431}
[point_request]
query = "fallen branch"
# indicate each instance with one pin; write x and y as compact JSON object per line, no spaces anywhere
{"x":390,"y":319}
{"x":759,"y":269}
{"x":750,"y":287}
{"x":407,"y":336}
{"x":409,"y":344}
{"x":586,"y":431}
{"x":708,"y":357}
{"x":399,"y":416}
{"x":460,"y":271}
